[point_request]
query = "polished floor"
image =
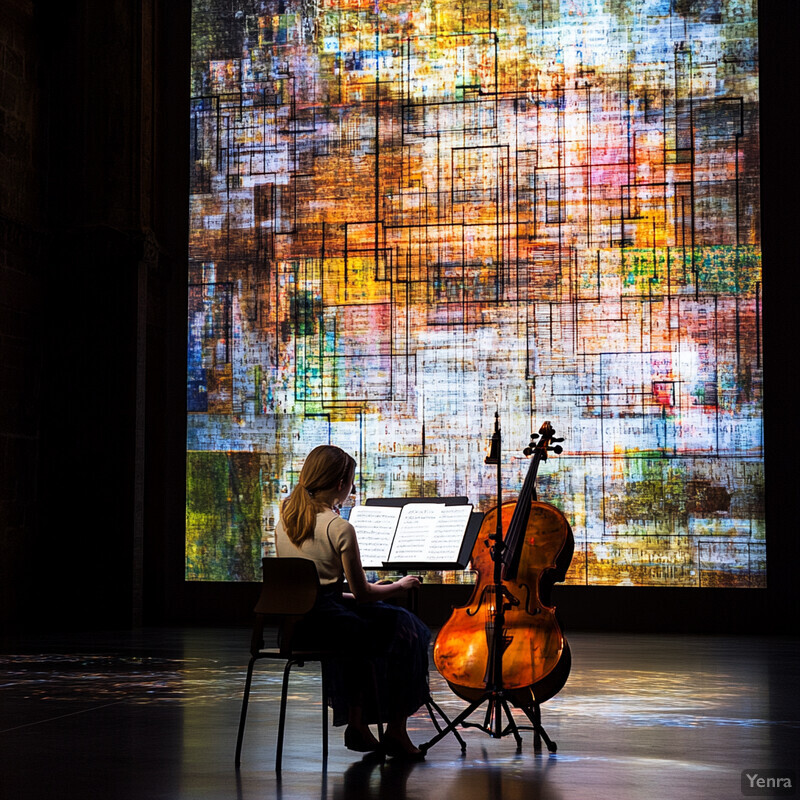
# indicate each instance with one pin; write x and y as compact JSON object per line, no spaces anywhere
{"x":154,"y":714}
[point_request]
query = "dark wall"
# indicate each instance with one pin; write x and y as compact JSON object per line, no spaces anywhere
{"x":22,"y":253}
{"x":779,"y":60}
{"x":93,"y":238}
{"x":93,"y":218}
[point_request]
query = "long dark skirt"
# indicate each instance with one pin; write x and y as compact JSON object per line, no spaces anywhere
{"x":388,"y":637}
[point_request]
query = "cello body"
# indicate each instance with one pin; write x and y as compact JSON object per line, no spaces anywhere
{"x":536,"y":657}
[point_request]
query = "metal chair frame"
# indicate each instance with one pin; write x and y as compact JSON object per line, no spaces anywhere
{"x":289,"y":591}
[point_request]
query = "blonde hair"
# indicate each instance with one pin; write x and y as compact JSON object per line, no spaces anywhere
{"x":325,"y":468}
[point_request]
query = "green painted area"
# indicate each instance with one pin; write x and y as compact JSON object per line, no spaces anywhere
{"x":711,"y":270}
{"x":223,"y":513}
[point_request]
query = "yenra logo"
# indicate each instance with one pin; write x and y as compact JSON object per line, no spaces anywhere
{"x":768,"y":782}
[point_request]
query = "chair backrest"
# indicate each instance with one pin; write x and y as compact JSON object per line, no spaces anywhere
{"x":290,"y":587}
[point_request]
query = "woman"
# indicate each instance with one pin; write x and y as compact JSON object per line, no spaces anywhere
{"x":360,"y":626}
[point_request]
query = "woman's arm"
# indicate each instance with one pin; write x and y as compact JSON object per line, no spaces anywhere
{"x":344,"y":539}
{"x":365,"y":592}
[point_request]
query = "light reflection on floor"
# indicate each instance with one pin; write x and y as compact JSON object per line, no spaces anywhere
{"x":155,"y":715}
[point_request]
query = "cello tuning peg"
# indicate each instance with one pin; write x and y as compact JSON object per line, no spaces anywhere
{"x":557,"y":449}
{"x":561,"y":439}
{"x":527,"y":451}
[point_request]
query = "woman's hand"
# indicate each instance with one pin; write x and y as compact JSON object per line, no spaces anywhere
{"x":408,"y":582}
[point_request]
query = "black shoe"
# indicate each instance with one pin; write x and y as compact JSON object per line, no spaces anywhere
{"x":354,"y":740}
{"x":394,"y":749}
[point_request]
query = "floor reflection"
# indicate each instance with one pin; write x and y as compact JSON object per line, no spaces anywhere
{"x":155,"y":715}
{"x":390,"y":779}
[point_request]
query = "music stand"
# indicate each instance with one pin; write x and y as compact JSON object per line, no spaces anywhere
{"x":469,"y":542}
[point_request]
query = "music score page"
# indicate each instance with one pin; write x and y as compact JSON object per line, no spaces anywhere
{"x":416,"y":533}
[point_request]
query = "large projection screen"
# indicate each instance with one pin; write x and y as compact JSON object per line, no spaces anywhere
{"x":407,"y":216}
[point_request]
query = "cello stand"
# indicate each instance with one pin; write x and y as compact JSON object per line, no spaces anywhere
{"x":497,"y":707}
{"x":494,"y":695}
{"x":534,"y":714}
{"x":431,"y":705}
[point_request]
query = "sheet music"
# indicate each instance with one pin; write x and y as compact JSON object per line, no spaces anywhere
{"x":375,"y":527}
{"x":444,"y":541}
{"x":414,"y":531}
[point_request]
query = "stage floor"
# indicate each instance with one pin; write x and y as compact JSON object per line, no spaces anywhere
{"x":154,"y":714}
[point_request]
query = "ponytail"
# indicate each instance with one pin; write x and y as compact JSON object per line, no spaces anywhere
{"x":325,"y":467}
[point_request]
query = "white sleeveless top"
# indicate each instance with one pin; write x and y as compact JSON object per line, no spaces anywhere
{"x":334,"y":540}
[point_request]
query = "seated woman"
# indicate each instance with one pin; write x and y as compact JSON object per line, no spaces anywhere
{"x":361,"y":627}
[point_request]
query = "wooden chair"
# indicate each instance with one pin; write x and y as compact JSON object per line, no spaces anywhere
{"x":289,"y":591}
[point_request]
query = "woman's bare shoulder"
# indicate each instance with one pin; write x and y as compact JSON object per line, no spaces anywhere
{"x":339,"y":528}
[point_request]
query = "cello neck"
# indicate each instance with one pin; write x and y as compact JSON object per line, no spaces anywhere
{"x":515,"y":536}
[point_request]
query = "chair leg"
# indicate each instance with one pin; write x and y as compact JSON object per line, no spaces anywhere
{"x":324,"y":715}
{"x":282,"y":718}
{"x":243,"y":714}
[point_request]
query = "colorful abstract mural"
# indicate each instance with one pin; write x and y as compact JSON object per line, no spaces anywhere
{"x":407,"y":216}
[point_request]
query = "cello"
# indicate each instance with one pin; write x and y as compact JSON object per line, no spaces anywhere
{"x":506,"y":642}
